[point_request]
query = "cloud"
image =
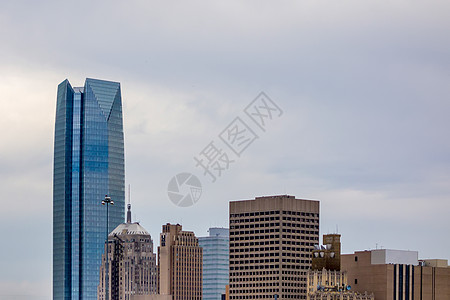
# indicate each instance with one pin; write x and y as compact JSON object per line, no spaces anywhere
{"x":363,"y":86}
{"x":25,"y":290}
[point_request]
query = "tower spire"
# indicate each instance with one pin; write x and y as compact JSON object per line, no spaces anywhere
{"x":129,"y":205}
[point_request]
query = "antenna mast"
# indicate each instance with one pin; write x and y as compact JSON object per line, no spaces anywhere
{"x":129,"y":193}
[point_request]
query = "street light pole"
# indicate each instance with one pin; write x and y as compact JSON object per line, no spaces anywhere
{"x":107,"y":201}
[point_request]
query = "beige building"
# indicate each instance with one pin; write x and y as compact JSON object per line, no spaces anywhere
{"x":180,"y":260}
{"x":271,"y":241}
{"x":332,"y":285}
{"x":397,"y":275}
{"x":326,"y":281}
{"x":131,"y":263}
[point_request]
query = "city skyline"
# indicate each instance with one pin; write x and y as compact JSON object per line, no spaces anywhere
{"x":363,"y":87}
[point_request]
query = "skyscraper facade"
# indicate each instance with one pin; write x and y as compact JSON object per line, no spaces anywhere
{"x":215,"y":262}
{"x":326,"y":281}
{"x":131,"y":263}
{"x":179,"y":264}
{"x":271,"y":244}
{"x":88,"y":164}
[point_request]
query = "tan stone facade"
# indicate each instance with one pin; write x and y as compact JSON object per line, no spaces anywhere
{"x":396,"y":281}
{"x":180,"y":260}
{"x":342,"y":296}
{"x":332,"y":285}
{"x":131,"y":263}
{"x":271,"y":241}
{"x":326,"y":281}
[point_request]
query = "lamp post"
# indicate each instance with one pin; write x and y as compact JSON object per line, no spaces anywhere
{"x":107,"y":201}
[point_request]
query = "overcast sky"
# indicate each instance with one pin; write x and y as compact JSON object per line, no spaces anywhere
{"x":363,"y":86}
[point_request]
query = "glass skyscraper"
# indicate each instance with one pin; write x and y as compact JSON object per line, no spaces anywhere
{"x":88,"y":164}
{"x":215,"y":262}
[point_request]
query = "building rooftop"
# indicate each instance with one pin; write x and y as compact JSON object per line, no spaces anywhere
{"x":129,"y":228}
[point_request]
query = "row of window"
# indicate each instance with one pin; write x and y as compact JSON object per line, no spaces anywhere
{"x":273,"y":266}
{"x":271,"y":242}
{"x":251,"y":235}
{"x":273,"y":218}
{"x":267,"y":254}
{"x":269,"y":260}
{"x":276,"y":212}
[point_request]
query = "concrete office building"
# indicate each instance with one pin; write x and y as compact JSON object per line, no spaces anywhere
{"x":180,"y":263}
{"x":88,"y":164}
{"x":271,"y":242}
{"x":131,"y":263}
{"x":397,"y":275}
{"x":215,"y":262}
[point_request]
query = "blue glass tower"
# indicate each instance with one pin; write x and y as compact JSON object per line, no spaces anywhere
{"x":215,"y":262}
{"x":88,"y":164}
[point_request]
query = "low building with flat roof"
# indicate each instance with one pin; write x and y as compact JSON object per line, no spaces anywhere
{"x":397,"y":274}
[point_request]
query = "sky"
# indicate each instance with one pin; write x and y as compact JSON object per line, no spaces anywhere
{"x":362,"y":86}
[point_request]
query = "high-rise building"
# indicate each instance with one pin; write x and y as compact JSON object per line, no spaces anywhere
{"x":180,"y":263}
{"x":397,"y":275}
{"x":271,"y":242}
{"x":326,"y":281}
{"x":88,"y":164}
{"x":131,"y":263}
{"x":215,"y":262}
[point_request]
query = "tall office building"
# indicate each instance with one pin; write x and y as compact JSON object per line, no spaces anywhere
{"x":88,"y":164}
{"x":215,"y":262}
{"x":179,"y":264}
{"x":271,"y":242}
{"x":131,"y":263}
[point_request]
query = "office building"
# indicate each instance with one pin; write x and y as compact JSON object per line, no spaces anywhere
{"x":131,"y":263}
{"x":397,"y":275}
{"x":180,"y":263}
{"x":326,"y":281}
{"x":271,"y":243}
{"x":215,"y":262}
{"x":88,"y":164}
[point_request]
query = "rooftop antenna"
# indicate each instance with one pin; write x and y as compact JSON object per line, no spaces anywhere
{"x":129,"y":207}
{"x":129,"y":193}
